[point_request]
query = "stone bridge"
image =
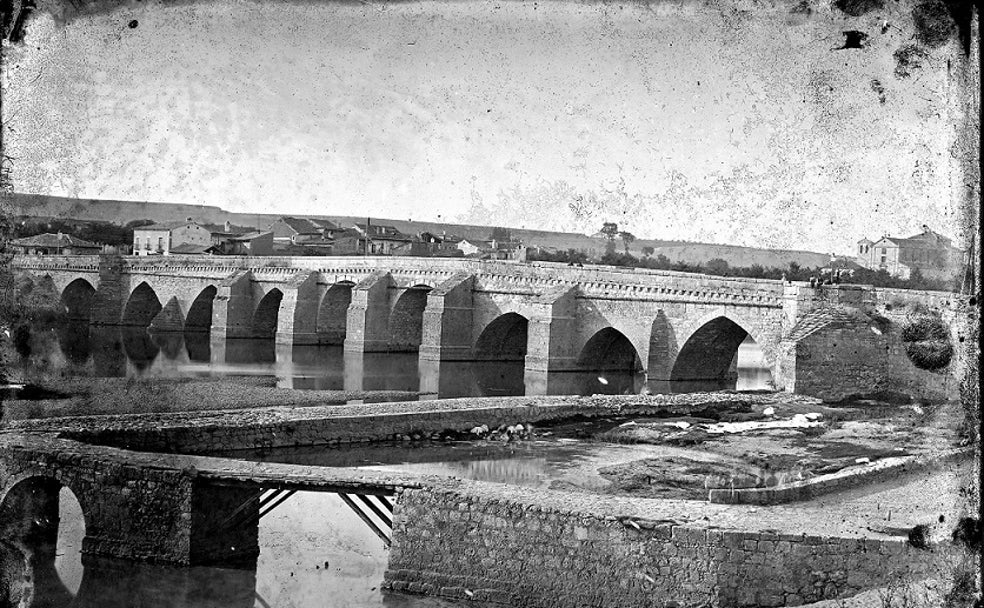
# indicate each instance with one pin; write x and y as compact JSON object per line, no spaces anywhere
{"x":680,"y":329}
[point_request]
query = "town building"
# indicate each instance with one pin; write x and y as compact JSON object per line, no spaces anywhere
{"x":297,"y":230}
{"x":931,"y":253}
{"x":161,"y":239}
{"x":53,"y":244}
{"x":228,"y":239}
{"x":493,"y":249}
{"x":378,"y":239}
{"x":439,"y":245}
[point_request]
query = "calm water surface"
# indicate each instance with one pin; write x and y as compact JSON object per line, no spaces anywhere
{"x":137,"y":353}
{"x":314,"y":550}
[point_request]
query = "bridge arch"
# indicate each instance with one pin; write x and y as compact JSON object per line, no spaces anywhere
{"x":333,"y":313}
{"x":406,"y":321}
{"x":708,"y":357}
{"x":141,"y":307}
{"x":199,"y":317}
{"x":266,"y":313}
{"x":610,"y":362}
{"x":30,"y":514}
{"x":504,"y":339}
{"x":77,"y":299}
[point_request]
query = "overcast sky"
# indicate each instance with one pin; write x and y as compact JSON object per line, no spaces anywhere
{"x":673,"y":119}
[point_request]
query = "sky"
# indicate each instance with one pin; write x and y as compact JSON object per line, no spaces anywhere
{"x":712,"y":122}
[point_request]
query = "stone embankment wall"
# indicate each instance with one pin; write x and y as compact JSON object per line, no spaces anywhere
{"x":339,"y":425}
{"x":521,"y":553}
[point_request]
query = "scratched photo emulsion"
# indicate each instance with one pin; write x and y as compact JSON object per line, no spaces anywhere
{"x":492,"y":303}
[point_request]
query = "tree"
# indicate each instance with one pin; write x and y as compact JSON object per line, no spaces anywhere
{"x":610,"y":230}
{"x":648,"y":251}
{"x":500,"y":234}
{"x":627,"y":238}
{"x":718,"y":266}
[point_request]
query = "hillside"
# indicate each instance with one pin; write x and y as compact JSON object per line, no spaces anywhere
{"x":41,"y":205}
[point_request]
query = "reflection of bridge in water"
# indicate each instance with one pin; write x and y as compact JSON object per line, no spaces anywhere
{"x":674,"y":331}
{"x":99,"y":351}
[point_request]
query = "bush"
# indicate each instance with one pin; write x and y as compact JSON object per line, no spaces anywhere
{"x":924,"y":327}
{"x":927,"y":342}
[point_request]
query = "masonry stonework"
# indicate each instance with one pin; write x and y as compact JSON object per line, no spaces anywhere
{"x":677,"y":323}
{"x":482,"y":547}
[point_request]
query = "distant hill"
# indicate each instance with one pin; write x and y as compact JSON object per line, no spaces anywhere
{"x":41,"y":205}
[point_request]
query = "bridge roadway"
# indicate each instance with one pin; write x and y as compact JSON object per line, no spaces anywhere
{"x":680,"y":329}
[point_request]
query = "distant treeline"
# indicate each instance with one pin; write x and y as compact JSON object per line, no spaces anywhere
{"x":721,"y":268}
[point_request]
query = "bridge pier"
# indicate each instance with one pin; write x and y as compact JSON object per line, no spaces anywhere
{"x":550,"y":344}
{"x":367,"y":323}
{"x":447,"y":331}
{"x":298,"y":317}
{"x":110,"y":298}
{"x":171,"y":317}
{"x":232,"y":308}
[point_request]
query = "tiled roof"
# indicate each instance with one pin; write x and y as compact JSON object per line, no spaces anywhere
{"x":326,"y":224}
{"x":190,"y":248}
{"x":248,"y":236}
{"x":300,"y":225}
{"x":53,"y":240}
{"x":827,"y":317}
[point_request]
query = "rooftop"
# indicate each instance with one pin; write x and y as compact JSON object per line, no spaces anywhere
{"x":53,"y":240}
{"x":301,"y":225}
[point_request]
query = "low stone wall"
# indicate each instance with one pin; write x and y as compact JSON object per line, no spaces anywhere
{"x":882,"y":470}
{"x":339,"y":425}
{"x":522,"y":553}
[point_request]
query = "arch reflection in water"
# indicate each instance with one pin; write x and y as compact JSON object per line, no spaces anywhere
{"x":608,"y":363}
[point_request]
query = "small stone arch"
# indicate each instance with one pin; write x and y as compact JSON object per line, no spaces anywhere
{"x":141,"y":307}
{"x":406,"y":321}
{"x":504,"y":339}
{"x":77,"y":299}
{"x":333,"y":313}
{"x":708,"y":358}
{"x":199,"y":317}
{"x":264,"y":324}
{"x":29,"y":513}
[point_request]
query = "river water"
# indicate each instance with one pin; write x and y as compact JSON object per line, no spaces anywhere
{"x":136,"y":353}
{"x":314,"y":551}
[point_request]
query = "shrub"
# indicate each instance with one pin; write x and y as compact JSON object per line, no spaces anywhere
{"x":927,"y":342}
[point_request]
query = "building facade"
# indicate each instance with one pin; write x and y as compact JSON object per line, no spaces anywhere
{"x":160,"y":239}
{"x":932,"y":254}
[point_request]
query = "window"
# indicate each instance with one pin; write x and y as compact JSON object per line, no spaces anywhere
{"x":884,"y":250}
{"x":160,"y":243}
{"x":883,"y":260}
{"x":147,"y":243}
